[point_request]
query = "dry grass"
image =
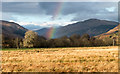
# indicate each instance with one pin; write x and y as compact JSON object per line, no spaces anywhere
{"x":83,"y":59}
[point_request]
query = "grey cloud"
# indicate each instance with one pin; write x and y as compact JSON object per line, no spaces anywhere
{"x":21,"y":7}
{"x":76,"y":7}
{"x":89,"y":7}
{"x":109,"y":16}
{"x":95,"y":10}
{"x":83,"y":10}
{"x":49,"y":7}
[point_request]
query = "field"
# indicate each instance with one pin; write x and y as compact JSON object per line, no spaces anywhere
{"x":78,"y":59}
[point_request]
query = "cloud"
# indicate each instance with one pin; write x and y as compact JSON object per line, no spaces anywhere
{"x":60,"y":0}
{"x":25,"y":23}
{"x":56,"y":23}
{"x":22,"y":7}
{"x":111,"y":9}
{"x":49,"y":8}
{"x":96,"y":10}
{"x":32,"y":25}
{"x":83,"y":10}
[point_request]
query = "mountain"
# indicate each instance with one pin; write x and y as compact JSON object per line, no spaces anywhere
{"x":32,"y":27}
{"x":93,"y":27}
{"x":42,"y":31}
{"x":12,"y":29}
{"x":111,"y":33}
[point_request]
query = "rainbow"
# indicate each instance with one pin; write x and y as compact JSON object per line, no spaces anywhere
{"x":50,"y":33}
{"x":58,"y":10}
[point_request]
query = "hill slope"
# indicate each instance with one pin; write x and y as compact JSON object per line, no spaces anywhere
{"x":111,"y":33}
{"x":11,"y":29}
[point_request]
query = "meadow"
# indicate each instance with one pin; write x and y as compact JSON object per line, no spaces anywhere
{"x":76,"y":59}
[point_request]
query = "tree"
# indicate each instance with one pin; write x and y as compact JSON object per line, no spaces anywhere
{"x":41,"y":41}
{"x":65,"y":41}
{"x":85,"y":40}
{"x":98,"y":42}
{"x":85,"y":36}
{"x":50,"y":43}
{"x":75,"y":36}
{"x":75,"y":40}
{"x":108,"y":41}
{"x":17,"y":41}
{"x":31,"y":39}
{"x":8,"y":42}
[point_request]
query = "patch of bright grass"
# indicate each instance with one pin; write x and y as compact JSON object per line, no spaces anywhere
{"x":14,"y":49}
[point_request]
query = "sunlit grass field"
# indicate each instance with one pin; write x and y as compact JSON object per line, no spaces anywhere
{"x":74,"y":59}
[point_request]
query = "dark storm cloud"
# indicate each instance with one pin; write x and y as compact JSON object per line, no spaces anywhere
{"x":77,"y":7}
{"x":82,"y":10}
{"x":87,"y":7}
{"x":21,"y":7}
{"x":30,"y":7}
{"x":49,"y":7}
{"x":108,"y":16}
{"x":88,"y":10}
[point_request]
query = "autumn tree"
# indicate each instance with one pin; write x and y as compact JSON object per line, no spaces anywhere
{"x":31,"y":39}
{"x":108,"y":41}
{"x":17,"y":41}
{"x":98,"y":42}
{"x":85,"y":40}
{"x":65,"y":41}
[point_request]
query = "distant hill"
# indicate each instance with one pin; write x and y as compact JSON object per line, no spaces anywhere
{"x":111,"y":33}
{"x":32,"y":27}
{"x":12,"y":29}
{"x":93,"y":27}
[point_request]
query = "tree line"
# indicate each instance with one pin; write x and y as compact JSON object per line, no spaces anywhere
{"x":33,"y":40}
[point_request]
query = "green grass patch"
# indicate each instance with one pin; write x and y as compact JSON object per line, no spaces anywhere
{"x":15,"y":49}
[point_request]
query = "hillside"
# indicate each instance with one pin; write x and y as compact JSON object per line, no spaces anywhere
{"x":93,"y":27}
{"x":11,"y":29}
{"x":112,"y":32}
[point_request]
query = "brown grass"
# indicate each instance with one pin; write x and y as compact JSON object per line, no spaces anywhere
{"x":82,"y":59}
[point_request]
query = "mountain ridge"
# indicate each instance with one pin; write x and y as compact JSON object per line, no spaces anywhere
{"x":93,"y":27}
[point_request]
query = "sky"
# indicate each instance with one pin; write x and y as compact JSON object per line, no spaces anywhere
{"x":37,"y":15}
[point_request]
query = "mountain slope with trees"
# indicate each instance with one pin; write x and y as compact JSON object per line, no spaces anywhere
{"x":112,"y":34}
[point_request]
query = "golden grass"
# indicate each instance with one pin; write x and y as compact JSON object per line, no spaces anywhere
{"x":82,"y":59}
